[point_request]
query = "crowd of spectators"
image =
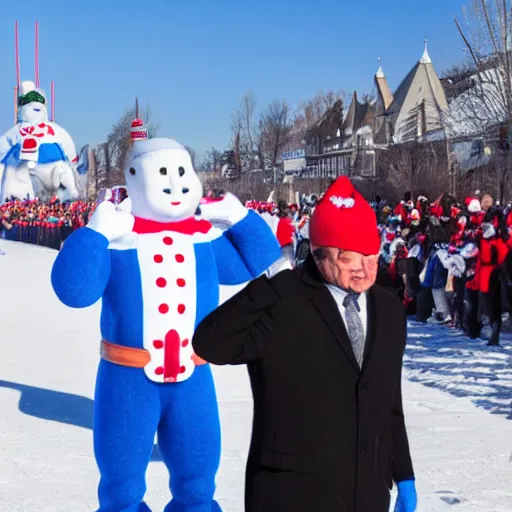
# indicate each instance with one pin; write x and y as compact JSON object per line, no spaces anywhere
{"x":49,"y":224}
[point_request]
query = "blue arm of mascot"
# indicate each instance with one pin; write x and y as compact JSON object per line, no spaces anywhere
{"x":157,"y":270}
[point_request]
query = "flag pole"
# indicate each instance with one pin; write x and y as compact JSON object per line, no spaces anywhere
{"x":52,"y":96}
{"x":15,"y":105}
{"x":17,"y":63}
{"x":17,"y":54}
{"x":36,"y":57}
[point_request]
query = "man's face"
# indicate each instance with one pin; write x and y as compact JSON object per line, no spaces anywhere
{"x":347,"y":269}
{"x":487,"y":202}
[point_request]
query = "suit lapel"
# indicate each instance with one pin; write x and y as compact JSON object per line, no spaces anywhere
{"x":326,"y":306}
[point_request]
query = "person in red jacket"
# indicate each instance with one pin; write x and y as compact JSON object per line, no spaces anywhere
{"x":404,"y":207}
{"x":285,"y":233}
{"x":493,"y":253}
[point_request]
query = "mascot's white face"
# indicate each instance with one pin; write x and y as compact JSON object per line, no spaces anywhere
{"x":33,"y":113}
{"x":163,"y":186}
{"x":33,"y":105}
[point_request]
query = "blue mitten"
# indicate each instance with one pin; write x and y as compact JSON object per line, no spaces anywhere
{"x":407,"y":499}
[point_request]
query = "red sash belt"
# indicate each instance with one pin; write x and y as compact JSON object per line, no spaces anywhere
{"x":132,"y":357}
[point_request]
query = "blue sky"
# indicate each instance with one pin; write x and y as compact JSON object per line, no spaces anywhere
{"x":191,"y":60}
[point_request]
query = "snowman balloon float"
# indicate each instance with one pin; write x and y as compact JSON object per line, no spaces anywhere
{"x":37,"y":156}
{"x":157,"y":269}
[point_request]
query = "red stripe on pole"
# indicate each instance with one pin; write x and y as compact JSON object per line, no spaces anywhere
{"x":17,"y":53}
{"x":15,"y":105}
{"x":36,"y":63}
{"x":52,"y":93}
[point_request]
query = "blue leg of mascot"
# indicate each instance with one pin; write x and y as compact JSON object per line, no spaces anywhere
{"x":187,"y":421}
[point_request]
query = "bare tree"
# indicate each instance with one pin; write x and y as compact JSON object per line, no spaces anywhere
{"x":212,"y":161}
{"x":368,"y":97}
{"x":308,"y":114}
{"x":192,"y":154}
{"x":275,"y":128}
{"x":328,"y":125}
{"x":245,"y":127}
{"x":111,"y":155}
{"x":487,"y":103}
{"x":312,"y":110}
{"x":415,"y":166}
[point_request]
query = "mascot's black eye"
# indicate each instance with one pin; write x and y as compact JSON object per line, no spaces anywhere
{"x":132,"y":171}
{"x":163,"y":171}
{"x":185,"y":190}
{"x":181,"y":171}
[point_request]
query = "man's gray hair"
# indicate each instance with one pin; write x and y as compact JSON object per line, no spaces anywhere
{"x":319,"y":253}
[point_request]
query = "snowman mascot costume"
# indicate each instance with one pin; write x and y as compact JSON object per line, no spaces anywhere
{"x":157,"y":270}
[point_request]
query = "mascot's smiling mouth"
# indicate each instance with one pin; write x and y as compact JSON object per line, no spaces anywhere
{"x":168,"y":191}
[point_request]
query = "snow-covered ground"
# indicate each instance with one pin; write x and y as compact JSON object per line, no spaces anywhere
{"x":457,"y":398}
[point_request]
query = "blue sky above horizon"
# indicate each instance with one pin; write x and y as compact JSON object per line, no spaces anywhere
{"x":192,"y":60}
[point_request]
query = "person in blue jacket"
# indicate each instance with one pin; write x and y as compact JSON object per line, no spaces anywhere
{"x":157,"y":269}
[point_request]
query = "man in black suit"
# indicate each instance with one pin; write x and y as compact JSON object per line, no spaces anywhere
{"x":324,"y":346}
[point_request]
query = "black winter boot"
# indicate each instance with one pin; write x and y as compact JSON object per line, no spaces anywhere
{"x":494,"y":340}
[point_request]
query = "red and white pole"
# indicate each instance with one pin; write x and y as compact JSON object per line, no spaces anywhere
{"x":17,"y":54}
{"x":15,"y":105}
{"x":52,"y":95}
{"x":36,"y":56}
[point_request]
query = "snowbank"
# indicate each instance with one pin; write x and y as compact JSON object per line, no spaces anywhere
{"x":49,"y":354}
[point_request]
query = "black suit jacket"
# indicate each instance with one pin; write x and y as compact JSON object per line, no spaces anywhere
{"x":327,"y":436}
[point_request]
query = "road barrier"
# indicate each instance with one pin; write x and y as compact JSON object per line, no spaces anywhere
{"x":48,"y":235}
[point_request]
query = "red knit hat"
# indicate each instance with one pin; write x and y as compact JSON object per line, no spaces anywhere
{"x":344,"y":219}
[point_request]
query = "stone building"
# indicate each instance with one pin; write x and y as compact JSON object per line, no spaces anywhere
{"x":418,"y":106}
{"x":348,"y":143}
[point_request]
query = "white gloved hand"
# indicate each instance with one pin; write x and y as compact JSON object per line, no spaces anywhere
{"x":224,"y":213}
{"x":125,"y":206}
{"x":111,"y":222}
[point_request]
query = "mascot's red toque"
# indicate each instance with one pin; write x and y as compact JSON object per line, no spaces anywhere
{"x":344,"y":219}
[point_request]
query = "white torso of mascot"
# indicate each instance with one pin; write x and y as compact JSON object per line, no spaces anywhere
{"x":164,"y":189}
{"x":36,"y":155}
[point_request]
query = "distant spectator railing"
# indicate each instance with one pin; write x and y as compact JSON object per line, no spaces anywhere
{"x":47,"y":235}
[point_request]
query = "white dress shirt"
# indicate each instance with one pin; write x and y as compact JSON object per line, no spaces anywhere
{"x":339,"y":296}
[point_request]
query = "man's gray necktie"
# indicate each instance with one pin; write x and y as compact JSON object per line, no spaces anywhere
{"x":355,"y":327}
